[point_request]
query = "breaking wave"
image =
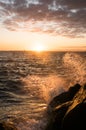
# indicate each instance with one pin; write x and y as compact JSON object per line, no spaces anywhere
{"x":27,"y":92}
{"x":74,"y":68}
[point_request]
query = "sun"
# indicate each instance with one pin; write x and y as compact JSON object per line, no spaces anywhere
{"x":38,"y":48}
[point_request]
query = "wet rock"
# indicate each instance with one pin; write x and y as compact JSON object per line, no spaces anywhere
{"x":55,"y":118}
{"x":7,"y":126}
{"x":68,"y":110}
{"x":64,"y":97}
{"x":76,"y":118}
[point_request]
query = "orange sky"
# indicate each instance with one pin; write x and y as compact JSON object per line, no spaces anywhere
{"x":28,"y":41}
{"x":45,"y":24}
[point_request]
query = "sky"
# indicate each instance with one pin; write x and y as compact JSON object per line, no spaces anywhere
{"x":46,"y":24}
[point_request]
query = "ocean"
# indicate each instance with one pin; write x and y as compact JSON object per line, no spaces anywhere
{"x":29,"y":81}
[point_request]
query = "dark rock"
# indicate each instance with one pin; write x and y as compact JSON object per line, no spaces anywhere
{"x":56,"y":117}
{"x":68,"y":110}
{"x":64,"y":97}
{"x":7,"y":126}
{"x":76,"y":118}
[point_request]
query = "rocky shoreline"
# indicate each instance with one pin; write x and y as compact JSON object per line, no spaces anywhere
{"x":67,"y":111}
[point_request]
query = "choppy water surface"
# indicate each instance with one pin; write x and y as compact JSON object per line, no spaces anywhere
{"x":29,"y":80}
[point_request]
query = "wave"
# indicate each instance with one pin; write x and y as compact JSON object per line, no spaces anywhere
{"x":30,"y":95}
{"x":74,"y":68}
{"x":44,"y":87}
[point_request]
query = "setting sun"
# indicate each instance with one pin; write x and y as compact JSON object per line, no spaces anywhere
{"x":38,"y":48}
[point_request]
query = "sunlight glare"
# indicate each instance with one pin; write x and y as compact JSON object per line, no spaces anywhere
{"x":38,"y":48}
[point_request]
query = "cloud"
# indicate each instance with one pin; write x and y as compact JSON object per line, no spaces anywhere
{"x":57,"y":17}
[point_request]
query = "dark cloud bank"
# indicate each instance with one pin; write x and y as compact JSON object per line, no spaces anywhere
{"x":58,"y":17}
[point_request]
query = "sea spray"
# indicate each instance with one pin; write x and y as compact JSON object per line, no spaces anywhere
{"x":44,"y":87}
{"x":41,"y":90}
{"x":74,"y":68}
{"x":28,"y":83}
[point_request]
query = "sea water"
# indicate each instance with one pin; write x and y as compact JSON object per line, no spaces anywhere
{"x":29,"y":81}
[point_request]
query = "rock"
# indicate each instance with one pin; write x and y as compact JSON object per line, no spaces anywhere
{"x":7,"y":126}
{"x":64,"y":97}
{"x":68,"y":110}
{"x":76,"y":118}
{"x":56,"y":117}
